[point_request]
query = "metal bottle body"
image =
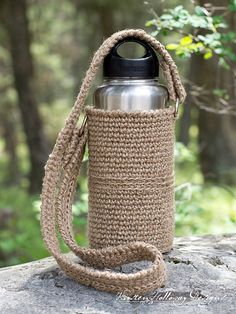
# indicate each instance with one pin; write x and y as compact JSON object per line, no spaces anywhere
{"x":130,"y":94}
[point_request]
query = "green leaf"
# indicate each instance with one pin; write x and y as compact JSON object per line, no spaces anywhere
{"x":197,"y":21}
{"x":219,"y":50}
{"x":199,"y":45}
{"x":195,"y":47}
{"x":172,"y":46}
{"x":187,"y":40}
{"x":164,"y":32}
{"x":166,"y":17}
{"x":201,"y":11}
{"x":154,"y":33}
{"x":208,"y":55}
{"x":150,"y":23}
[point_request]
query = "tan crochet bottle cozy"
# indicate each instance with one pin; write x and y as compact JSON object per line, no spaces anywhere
{"x":131,"y":185}
{"x":131,"y":177}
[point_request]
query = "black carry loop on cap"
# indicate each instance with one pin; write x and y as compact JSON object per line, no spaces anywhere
{"x":144,"y":67}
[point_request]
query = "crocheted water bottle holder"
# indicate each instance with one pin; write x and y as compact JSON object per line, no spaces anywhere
{"x":131,"y":185}
{"x":131,"y":180}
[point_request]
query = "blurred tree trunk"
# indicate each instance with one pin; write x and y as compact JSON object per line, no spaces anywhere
{"x":186,"y":121}
{"x":217,"y":133}
{"x":7,"y":122}
{"x":106,"y":18}
{"x":96,"y":14}
{"x":15,"y":20}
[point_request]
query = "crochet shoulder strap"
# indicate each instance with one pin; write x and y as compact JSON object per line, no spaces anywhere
{"x":59,"y":185}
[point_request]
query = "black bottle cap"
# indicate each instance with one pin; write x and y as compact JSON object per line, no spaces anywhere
{"x":145,"y":67}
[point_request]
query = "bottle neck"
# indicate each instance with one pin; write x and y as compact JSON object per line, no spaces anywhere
{"x":129,"y":81}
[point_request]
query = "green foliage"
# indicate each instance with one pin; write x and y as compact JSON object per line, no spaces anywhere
{"x":178,"y":18}
{"x":221,"y":93}
{"x":204,"y":209}
{"x":20,"y":239}
{"x":80,"y":209}
{"x":200,"y":208}
{"x":199,"y":32}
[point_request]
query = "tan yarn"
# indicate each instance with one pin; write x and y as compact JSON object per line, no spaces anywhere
{"x":63,"y":167}
{"x":131,"y":180}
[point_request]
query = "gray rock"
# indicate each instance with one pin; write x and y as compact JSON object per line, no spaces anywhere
{"x":201,"y":279}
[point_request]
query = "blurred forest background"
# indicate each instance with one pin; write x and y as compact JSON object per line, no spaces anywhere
{"x":45,"y":49}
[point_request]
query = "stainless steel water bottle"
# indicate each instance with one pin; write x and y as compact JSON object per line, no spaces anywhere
{"x":131,"y":84}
